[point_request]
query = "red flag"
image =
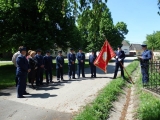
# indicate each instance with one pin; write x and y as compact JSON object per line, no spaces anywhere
{"x":105,"y":55}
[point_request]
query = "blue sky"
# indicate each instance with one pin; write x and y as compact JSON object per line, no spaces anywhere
{"x":140,"y":16}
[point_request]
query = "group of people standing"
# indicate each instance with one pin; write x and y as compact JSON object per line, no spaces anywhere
{"x":33,"y":65}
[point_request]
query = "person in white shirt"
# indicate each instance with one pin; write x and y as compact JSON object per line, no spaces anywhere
{"x":14,"y":57}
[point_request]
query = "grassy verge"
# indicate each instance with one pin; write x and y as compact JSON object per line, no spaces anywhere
{"x":8,"y":71}
{"x":99,"y":109}
{"x":149,"y":107}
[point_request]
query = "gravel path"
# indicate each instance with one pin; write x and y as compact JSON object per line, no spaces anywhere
{"x":57,"y":101}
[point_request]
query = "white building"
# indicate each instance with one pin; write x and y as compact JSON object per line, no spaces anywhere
{"x":125,"y":47}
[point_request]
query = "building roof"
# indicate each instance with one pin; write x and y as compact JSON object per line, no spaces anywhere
{"x":125,"y":43}
{"x":135,"y":47}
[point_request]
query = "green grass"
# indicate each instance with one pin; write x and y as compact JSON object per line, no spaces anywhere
{"x":149,"y":107}
{"x":99,"y":109}
{"x":7,"y":73}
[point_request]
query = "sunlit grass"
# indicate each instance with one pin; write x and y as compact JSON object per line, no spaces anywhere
{"x":149,"y":107}
{"x":99,"y":109}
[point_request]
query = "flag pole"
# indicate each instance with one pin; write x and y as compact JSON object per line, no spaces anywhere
{"x":127,"y":73}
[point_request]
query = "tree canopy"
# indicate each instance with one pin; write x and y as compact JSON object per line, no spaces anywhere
{"x":153,"y":40}
{"x":96,"y":24}
{"x":46,"y":24}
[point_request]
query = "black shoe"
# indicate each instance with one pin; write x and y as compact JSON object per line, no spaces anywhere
{"x":94,"y":76}
{"x":33,"y":87}
{"x":74,"y":78}
{"x":51,"y":82}
{"x":58,"y":80}
{"x":113,"y":78}
{"x":41,"y":83}
{"x":83,"y":76}
{"x":21,"y":97}
{"x":25,"y":93}
{"x":91,"y":76}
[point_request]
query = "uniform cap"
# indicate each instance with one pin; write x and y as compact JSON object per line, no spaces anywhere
{"x":22,"y":49}
{"x":59,"y":51}
{"x":80,"y":48}
{"x":92,"y":51}
{"x":144,"y":45}
{"x":71,"y":48}
{"x":47,"y":51}
{"x":119,"y":46}
{"x":38,"y":50}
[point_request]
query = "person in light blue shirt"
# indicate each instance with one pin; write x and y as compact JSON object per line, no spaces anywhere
{"x":144,"y":62}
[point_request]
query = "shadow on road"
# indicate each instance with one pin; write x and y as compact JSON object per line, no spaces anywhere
{"x":4,"y":94}
{"x":43,"y":95}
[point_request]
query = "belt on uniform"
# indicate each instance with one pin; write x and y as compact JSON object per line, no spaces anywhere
{"x":145,"y":61}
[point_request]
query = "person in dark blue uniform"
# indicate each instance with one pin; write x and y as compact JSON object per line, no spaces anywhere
{"x":40,"y":69}
{"x":48,"y":66}
{"x":59,"y":66}
{"x":71,"y":64}
{"x":120,"y":56}
{"x":92,"y":58}
{"x":22,"y":70}
{"x":144,"y":62}
{"x":81,"y":63}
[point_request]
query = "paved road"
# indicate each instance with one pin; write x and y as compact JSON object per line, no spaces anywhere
{"x":57,"y":101}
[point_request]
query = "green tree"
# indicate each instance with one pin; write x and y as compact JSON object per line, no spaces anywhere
{"x":96,"y":24}
{"x":153,"y":40}
{"x":36,"y":24}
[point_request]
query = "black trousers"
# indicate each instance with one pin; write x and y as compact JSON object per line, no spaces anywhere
{"x":60,"y":73}
{"x":79,"y":68}
{"x":116,"y":69}
{"x":71,"y":70}
{"x":16,"y":78}
{"x":32,"y":76}
{"x":48,"y":73}
{"x":39,"y":76}
{"x":93,"y":70}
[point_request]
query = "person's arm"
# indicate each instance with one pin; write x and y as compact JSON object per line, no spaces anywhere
{"x":84,"y":58}
{"x":89,"y":59}
{"x":123,"y":55}
{"x":57,"y":61}
{"x":44,"y":62}
{"x":69,"y":59}
{"x":62,"y":62}
{"x":78,"y":58}
{"x":14,"y":59}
